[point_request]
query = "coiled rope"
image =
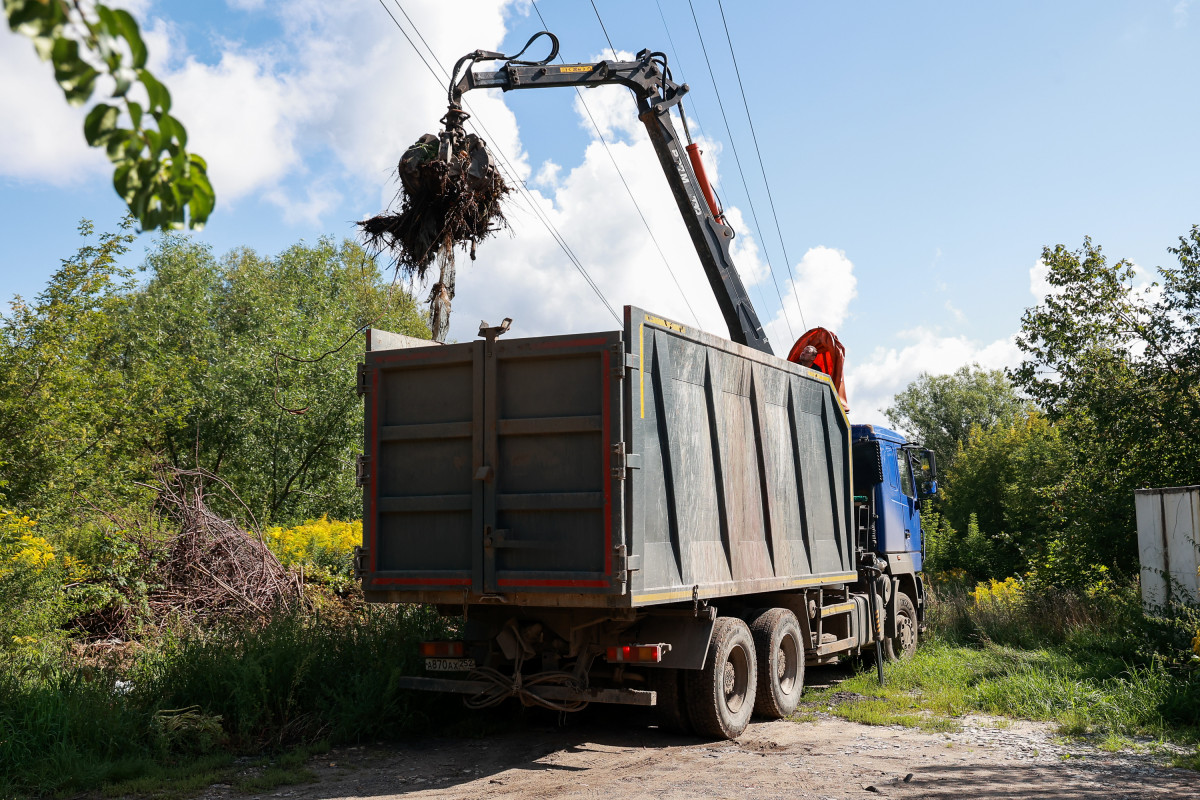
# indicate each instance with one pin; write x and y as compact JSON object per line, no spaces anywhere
{"x":523,"y":688}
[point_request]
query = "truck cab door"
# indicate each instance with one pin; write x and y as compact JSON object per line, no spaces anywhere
{"x":903,"y":519}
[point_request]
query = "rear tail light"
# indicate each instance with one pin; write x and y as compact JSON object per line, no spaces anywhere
{"x":441,"y":649}
{"x":638,"y":653}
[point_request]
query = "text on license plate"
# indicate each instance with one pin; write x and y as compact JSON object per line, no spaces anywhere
{"x":449,"y":664}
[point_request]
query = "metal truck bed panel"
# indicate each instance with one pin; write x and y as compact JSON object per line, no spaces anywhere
{"x":744,"y":481}
{"x":616,"y":469}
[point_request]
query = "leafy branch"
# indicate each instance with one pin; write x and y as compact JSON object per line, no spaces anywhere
{"x":163,"y":184}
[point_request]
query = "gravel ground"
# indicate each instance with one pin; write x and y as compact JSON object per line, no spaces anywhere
{"x":608,"y":753}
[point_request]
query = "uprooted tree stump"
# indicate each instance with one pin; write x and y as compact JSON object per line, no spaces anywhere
{"x":442,"y":205}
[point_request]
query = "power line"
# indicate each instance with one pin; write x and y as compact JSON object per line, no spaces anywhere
{"x":676,"y":60}
{"x":733,"y":144}
{"x":756,"y":287}
{"x":510,"y":171}
{"x":754,"y":135}
{"x":621,"y":174}
{"x":606,"y":36}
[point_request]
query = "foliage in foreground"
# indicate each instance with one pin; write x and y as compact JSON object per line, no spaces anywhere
{"x":162,"y":183}
{"x":190,"y":700}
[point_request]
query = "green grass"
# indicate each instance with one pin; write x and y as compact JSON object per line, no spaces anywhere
{"x":1094,"y":666}
{"x":893,"y":711}
{"x":1086,"y":693}
{"x":200,"y":699}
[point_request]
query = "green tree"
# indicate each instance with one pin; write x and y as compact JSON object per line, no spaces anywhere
{"x":266,"y":350}
{"x":103,"y":376}
{"x":76,"y":412}
{"x":1003,"y":494}
{"x":163,"y":184}
{"x":1116,"y":366}
{"x":940,"y":410}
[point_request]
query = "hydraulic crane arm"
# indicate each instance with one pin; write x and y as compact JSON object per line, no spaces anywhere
{"x":650,"y":80}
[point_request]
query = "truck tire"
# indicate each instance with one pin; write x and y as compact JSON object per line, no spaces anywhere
{"x":720,"y":697}
{"x":904,"y":644}
{"x":779,"y":645}
{"x":671,"y":706}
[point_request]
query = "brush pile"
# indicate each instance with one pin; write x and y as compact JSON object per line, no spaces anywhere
{"x":213,"y":568}
{"x":443,"y":204}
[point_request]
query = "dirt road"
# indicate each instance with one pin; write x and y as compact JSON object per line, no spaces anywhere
{"x":603,"y":756}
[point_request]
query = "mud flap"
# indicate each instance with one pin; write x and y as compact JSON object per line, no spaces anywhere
{"x":688,"y":635}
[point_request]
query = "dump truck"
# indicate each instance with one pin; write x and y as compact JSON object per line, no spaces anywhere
{"x":653,"y":516}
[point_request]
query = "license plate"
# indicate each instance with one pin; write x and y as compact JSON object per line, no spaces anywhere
{"x":449,"y":664}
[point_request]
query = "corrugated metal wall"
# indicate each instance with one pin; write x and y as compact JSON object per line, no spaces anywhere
{"x":744,"y":483}
{"x":1168,"y":525}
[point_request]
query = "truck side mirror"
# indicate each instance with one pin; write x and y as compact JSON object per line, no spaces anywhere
{"x":926,"y":463}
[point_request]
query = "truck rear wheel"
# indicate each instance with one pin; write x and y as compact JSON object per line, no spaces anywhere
{"x":904,"y":644}
{"x":720,"y":696}
{"x":777,"y":641}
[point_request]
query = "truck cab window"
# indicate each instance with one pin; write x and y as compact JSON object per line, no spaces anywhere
{"x":906,"y":484}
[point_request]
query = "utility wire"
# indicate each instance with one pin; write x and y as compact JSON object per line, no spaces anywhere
{"x":621,"y":175}
{"x":741,"y":172}
{"x":606,"y":36}
{"x":755,"y":287}
{"x":510,"y":171}
{"x":675,"y":60}
{"x":761,"y":168}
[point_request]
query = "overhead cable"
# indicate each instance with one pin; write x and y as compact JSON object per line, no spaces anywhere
{"x":763,"y":169}
{"x":737,"y":159}
{"x":621,"y":174}
{"x":756,"y":286}
{"x":510,"y":171}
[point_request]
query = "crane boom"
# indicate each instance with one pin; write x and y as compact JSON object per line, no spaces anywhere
{"x":650,"y":80}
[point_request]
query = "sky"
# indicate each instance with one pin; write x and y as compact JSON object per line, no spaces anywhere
{"x":917,"y":156}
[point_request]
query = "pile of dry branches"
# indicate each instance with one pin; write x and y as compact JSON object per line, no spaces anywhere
{"x":212,"y":567}
{"x":195,"y":565}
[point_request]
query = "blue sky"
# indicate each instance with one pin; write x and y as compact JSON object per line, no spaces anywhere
{"x":920,"y":155}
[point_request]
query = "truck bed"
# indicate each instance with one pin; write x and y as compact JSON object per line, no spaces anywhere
{"x":652,"y":465}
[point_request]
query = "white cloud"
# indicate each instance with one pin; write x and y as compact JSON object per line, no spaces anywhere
{"x":318,"y":200}
{"x":42,"y":137}
{"x":242,"y":117}
{"x":957,"y":313}
{"x":340,"y":81}
{"x":873,"y":382}
{"x":610,"y":108}
{"x":547,"y":175}
{"x":825,"y":283}
{"x":1039,"y":286}
{"x":1180,"y":13}
{"x":528,"y":277}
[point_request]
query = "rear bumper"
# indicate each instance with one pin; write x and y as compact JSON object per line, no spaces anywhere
{"x":560,"y":694}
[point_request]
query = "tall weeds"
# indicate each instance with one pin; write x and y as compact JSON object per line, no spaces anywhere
{"x":68,"y":726}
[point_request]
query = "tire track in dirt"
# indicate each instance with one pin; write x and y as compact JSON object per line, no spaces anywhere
{"x":603,"y":757}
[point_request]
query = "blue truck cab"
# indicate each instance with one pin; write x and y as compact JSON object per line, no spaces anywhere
{"x":893,"y":479}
